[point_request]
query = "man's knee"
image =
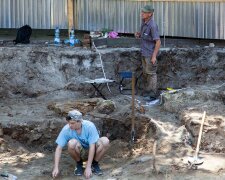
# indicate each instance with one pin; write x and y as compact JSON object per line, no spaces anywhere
{"x":104,"y":142}
{"x":74,"y":144}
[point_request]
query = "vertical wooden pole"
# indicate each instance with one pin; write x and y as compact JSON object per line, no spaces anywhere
{"x":133,"y":108}
{"x":200,"y":135}
{"x":70,"y":7}
{"x":75,"y":18}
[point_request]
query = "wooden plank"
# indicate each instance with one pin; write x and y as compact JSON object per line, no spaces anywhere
{"x":70,"y":15}
{"x":75,"y":13}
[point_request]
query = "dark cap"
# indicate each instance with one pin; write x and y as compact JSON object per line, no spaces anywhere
{"x":147,"y":9}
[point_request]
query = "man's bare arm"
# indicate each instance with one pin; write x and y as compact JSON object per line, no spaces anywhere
{"x":91,"y":154}
{"x":58,"y":153}
{"x":156,"y":50}
{"x":157,"y":46}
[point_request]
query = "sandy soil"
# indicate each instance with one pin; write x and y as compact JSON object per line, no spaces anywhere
{"x":122,"y":161}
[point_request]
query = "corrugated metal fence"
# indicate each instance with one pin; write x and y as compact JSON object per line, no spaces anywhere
{"x":39,"y":14}
{"x":174,"y":18}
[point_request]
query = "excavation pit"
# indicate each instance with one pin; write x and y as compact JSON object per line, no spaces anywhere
{"x":33,"y":108}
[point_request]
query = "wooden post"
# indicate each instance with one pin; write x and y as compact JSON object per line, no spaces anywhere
{"x":200,"y":135}
{"x":133,"y":108}
{"x":70,"y":7}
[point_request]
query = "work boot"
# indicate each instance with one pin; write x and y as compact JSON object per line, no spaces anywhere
{"x":150,"y":94}
{"x":145,"y":93}
{"x":79,"y":168}
{"x":95,"y":168}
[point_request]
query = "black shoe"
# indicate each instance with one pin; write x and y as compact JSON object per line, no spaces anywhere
{"x":150,"y":98}
{"x":145,"y":94}
{"x":96,"y":169}
{"x":79,"y":170}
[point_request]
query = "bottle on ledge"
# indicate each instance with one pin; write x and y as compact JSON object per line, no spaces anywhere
{"x":72,"y":37}
{"x":57,"y":38}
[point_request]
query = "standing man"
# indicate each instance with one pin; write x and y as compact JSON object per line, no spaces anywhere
{"x":83,"y":142}
{"x":150,"y":44}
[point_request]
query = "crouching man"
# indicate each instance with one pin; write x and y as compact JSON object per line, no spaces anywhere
{"x":82,"y":139}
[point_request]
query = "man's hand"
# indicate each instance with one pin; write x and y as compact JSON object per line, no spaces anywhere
{"x":137,"y":35}
{"x":153,"y":59}
{"x":88,"y":173}
{"x":58,"y":153}
{"x":55,"y":172}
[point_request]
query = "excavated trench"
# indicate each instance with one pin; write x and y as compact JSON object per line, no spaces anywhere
{"x":41,"y":83}
{"x":32,"y":77}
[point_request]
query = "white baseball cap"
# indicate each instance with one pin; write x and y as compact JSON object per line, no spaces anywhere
{"x":75,"y":115}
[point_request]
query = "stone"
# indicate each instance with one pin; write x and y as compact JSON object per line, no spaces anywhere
{"x":1,"y":131}
{"x":117,"y":172}
{"x":211,"y":45}
{"x":144,"y":158}
{"x":106,"y":107}
{"x":3,"y":145}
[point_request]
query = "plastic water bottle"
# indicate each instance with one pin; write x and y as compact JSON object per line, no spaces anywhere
{"x":57,"y":38}
{"x":72,"y":37}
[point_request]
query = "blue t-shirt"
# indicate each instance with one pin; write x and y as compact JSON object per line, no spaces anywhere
{"x":89,"y":135}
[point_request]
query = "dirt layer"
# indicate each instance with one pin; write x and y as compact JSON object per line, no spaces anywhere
{"x":33,"y":108}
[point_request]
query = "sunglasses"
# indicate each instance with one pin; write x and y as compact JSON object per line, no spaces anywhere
{"x":68,"y":118}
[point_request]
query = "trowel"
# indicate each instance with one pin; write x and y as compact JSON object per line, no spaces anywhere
{"x":8,"y":176}
{"x":195,"y":161}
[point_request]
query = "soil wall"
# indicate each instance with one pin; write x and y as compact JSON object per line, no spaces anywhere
{"x":34,"y":70}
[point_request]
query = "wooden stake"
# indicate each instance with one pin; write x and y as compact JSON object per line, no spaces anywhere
{"x":200,"y":135}
{"x":154,"y":156}
{"x":133,"y":106}
{"x":70,"y":6}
